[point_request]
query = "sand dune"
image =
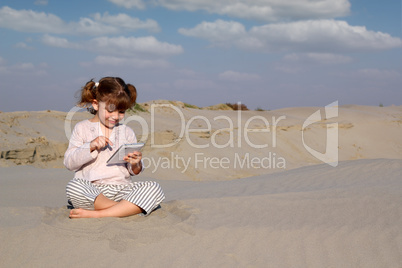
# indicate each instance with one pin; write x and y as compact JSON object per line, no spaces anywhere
{"x":308,"y":217}
{"x":39,"y":139}
{"x":308,"y":214}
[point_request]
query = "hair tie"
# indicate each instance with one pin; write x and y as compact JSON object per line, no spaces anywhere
{"x":96,"y":84}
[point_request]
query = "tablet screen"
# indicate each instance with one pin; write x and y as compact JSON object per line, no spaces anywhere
{"x":117,"y":157}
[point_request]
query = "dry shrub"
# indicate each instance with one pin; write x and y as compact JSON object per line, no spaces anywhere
{"x":237,"y":106}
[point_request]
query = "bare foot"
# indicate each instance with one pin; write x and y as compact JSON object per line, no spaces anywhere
{"x":83,"y":213}
{"x":123,"y":208}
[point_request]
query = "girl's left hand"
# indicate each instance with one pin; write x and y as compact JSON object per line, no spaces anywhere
{"x":133,"y":158}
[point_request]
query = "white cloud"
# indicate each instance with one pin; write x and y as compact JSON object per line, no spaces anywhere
{"x":237,"y":76}
{"x":23,"y":46}
{"x":59,"y":42}
{"x":134,"y":46}
{"x":127,"y":22}
{"x":320,"y":58}
{"x":30,"y":21}
{"x":219,"y":32}
{"x":126,"y":46}
{"x":264,"y":10}
{"x":24,"y":68}
{"x":129,"y":3}
{"x":40,"y":22}
{"x":321,"y":34}
{"x":91,"y":27}
{"x":133,"y":62}
{"x":312,"y":35}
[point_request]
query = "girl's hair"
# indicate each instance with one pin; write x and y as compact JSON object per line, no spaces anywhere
{"x":112,"y":90}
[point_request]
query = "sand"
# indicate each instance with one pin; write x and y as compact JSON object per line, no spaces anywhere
{"x":304,"y":214}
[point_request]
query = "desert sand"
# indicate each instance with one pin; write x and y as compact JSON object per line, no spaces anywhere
{"x":228,"y":204}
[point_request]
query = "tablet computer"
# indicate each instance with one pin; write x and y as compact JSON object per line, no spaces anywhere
{"x":117,"y":157}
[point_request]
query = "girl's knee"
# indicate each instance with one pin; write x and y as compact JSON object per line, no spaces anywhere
{"x":155,"y":185}
{"x":156,"y":188}
{"x":81,"y":194}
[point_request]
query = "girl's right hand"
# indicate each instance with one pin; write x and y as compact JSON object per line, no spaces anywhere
{"x":99,"y":143}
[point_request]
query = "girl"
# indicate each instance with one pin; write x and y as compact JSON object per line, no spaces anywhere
{"x":97,"y":189}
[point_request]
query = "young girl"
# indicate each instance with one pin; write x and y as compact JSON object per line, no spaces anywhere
{"x":97,"y":189}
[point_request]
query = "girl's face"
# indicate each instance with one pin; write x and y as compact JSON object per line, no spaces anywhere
{"x":107,"y":114}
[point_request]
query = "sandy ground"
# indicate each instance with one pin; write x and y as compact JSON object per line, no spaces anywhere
{"x":301,"y":213}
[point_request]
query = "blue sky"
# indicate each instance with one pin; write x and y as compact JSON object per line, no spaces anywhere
{"x":265,"y":53}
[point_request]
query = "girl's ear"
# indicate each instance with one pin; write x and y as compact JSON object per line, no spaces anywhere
{"x":95,"y":105}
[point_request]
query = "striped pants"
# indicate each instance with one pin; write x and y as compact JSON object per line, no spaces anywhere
{"x":147,"y":195}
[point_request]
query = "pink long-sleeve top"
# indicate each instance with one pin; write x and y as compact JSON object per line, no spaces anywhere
{"x":92,"y":165}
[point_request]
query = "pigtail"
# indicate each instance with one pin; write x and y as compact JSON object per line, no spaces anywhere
{"x":133,"y":93}
{"x":88,"y":94}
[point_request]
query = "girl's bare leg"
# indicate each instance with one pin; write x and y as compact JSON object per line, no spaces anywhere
{"x":123,"y":208}
{"x":102,"y":202}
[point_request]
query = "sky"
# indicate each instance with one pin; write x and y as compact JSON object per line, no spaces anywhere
{"x":267,"y":54}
